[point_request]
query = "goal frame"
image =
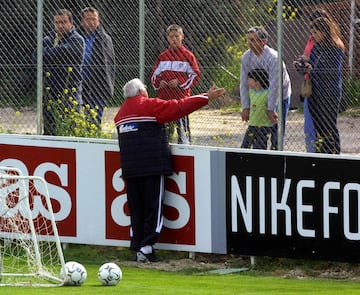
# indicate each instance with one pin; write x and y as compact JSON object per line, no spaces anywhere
{"x":40,"y":275}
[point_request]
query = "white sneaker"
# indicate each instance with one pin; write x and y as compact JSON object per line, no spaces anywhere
{"x":141,"y":257}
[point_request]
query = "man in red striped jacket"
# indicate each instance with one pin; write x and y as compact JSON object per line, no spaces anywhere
{"x":146,"y":159}
{"x":173,"y":75}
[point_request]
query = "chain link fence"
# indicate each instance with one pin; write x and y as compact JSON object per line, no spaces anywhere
{"x":215,"y":31}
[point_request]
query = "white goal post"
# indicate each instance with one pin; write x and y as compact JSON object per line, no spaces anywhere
{"x":30,"y":248}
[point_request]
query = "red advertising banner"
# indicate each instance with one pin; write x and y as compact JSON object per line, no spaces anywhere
{"x":179,"y":213}
{"x":58,"y":167}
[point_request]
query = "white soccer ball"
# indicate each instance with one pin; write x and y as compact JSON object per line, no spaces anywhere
{"x":75,"y":274}
{"x":109,"y":274}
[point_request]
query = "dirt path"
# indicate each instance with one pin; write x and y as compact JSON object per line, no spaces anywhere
{"x":209,"y":127}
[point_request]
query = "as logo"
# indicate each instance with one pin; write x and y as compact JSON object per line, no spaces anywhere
{"x":179,"y":202}
{"x":58,"y":167}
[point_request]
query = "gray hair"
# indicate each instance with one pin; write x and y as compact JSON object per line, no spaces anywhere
{"x":132,"y":88}
{"x":260,"y":32}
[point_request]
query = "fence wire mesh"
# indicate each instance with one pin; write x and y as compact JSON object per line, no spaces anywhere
{"x":215,"y":31}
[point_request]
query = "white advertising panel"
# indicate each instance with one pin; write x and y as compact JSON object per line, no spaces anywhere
{"x":89,"y":195}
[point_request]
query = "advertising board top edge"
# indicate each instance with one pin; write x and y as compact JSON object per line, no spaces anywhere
{"x":3,"y":137}
{"x":174,"y":147}
{"x":280,"y":153}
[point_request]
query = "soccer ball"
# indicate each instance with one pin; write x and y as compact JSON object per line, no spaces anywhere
{"x":109,"y":274}
{"x":75,"y":274}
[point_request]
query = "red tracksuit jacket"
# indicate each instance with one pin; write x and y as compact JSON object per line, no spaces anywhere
{"x":179,"y":63}
{"x":143,"y":142}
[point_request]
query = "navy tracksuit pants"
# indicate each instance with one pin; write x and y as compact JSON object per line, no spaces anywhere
{"x":145,"y":199}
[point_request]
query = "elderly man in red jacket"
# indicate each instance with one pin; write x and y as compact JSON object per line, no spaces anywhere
{"x":146,"y":159}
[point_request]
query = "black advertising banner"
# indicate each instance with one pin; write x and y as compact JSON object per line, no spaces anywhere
{"x":297,"y":206}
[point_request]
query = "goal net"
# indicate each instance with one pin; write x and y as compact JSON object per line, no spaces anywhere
{"x":30,"y":249}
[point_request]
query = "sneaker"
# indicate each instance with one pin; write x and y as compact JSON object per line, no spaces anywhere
{"x":140,"y":256}
{"x":147,"y":257}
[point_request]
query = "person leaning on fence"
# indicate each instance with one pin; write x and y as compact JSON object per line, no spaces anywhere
{"x":146,"y":158}
{"x":99,"y":65}
{"x":325,"y":69}
{"x":260,"y":55}
{"x":259,"y":130}
{"x":309,"y":129}
{"x":63,"y":57}
{"x":173,"y":75}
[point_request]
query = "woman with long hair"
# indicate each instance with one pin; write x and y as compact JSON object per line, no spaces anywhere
{"x":325,"y":69}
{"x":309,"y":129}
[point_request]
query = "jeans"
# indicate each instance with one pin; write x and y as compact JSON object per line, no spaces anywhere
{"x":309,"y":129}
{"x":274,"y":128}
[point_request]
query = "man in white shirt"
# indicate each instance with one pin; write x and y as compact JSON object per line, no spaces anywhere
{"x":260,"y":55}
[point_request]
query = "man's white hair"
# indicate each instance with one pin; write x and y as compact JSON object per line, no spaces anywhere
{"x":132,"y":88}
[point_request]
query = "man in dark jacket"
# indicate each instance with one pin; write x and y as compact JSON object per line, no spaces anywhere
{"x":99,"y":65}
{"x":146,"y":158}
{"x":63,"y":56}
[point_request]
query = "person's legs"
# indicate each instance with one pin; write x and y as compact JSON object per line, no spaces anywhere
{"x":187,"y":128}
{"x":136,"y":208}
{"x":274,"y":128}
{"x":153,"y":192}
{"x":261,"y":136}
{"x":183,"y":130}
{"x":329,"y":134}
{"x":154,"y":188}
{"x":330,"y":142}
{"x":248,"y":138}
{"x":324,"y":112}
{"x":170,"y":127}
{"x":309,"y":129}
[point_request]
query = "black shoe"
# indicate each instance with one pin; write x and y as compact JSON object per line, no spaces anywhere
{"x":135,"y":257}
{"x":150,"y":257}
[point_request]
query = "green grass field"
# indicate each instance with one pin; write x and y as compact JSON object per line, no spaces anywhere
{"x":150,"y":281}
{"x":153,"y":282}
